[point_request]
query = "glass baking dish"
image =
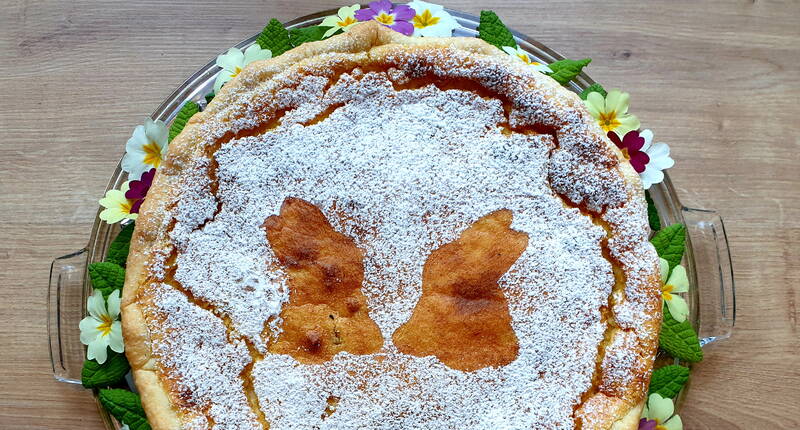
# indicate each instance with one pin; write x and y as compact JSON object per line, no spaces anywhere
{"x":707,"y":259}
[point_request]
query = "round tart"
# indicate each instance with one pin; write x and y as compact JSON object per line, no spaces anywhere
{"x":382,"y":232}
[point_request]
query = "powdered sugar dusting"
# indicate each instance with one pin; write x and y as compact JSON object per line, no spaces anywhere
{"x":403,"y":172}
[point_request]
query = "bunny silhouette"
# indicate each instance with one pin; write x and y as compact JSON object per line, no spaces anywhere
{"x":462,"y":317}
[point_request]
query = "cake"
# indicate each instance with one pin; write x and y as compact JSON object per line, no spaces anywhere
{"x":382,"y":232}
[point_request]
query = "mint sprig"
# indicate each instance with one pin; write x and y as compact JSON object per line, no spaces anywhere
{"x":670,"y":243}
{"x":679,"y":339}
{"x":112,"y":371}
{"x":492,"y":30}
{"x":120,"y":246}
{"x":299,"y":36}
{"x":594,"y":88}
{"x":124,"y":406}
{"x":566,"y":70}
{"x":106,"y":277}
{"x":669,"y":380}
{"x":274,"y":37}
{"x":652,"y":213}
{"x":187,"y":111}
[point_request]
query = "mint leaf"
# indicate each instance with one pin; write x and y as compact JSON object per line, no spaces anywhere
{"x":669,"y":380}
{"x":118,"y":250}
{"x":209,"y":97}
{"x":274,"y":37}
{"x":114,"y":369}
{"x":299,"y":36}
{"x":186,"y":112}
{"x":594,"y":88}
{"x":652,"y":212}
{"x":679,"y":339}
{"x":566,"y":70}
{"x":670,"y":244}
{"x":492,"y":30}
{"x":106,"y":277}
{"x":124,"y":406}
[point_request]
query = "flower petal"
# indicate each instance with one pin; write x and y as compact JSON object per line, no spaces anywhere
{"x":659,"y":154}
{"x":660,"y":408}
{"x":403,"y":12}
{"x":255,"y":53}
{"x":115,"y":341}
{"x":113,"y":304}
{"x":679,"y":280}
{"x":674,"y":423}
{"x":678,"y":308}
{"x":222,"y":78}
{"x":595,"y":103}
{"x":403,"y":27}
{"x":97,"y":350}
{"x":89,"y":331}
{"x":647,"y":135}
{"x":96,"y":304}
{"x":664,"y":268}
{"x":510,"y":50}
{"x":365,"y":14}
{"x":381,"y":6}
{"x":617,"y":101}
{"x":231,"y":60}
{"x":627,"y":123}
{"x":157,"y":132}
{"x":650,"y":176}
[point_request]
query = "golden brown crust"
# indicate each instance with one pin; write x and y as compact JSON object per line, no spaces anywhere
{"x":611,"y":405}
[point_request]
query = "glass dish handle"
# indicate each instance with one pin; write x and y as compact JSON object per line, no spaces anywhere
{"x":65,"y":309}
{"x":710,"y":255}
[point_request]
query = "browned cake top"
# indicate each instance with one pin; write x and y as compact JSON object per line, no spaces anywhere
{"x":377,"y":232}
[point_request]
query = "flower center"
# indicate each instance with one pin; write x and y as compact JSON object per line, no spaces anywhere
{"x":347,"y":21}
{"x":659,"y":426}
{"x":425,"y":19}
{"x":105,"y":326}
{"x":608,"y":121}
{"x":236,"y":72}
{"x":152,"y":154}
{"x":666,"y":291}
{"x":626,"y":153}
{"x":385,"y":18}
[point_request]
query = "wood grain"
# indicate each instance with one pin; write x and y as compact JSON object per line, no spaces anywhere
{"x":718,"y":80}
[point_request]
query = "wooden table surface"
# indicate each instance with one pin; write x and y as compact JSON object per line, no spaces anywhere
{"x":718,"y":80}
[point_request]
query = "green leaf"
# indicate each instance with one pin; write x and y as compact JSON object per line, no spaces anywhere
{"x":209,"y":97}
{"x":492,"y":30}
{"x":118,"y":250}
{"x":566,"y":70}
{"x":299,"y":36}
{"x":113,"y":370}
{"x":669,"y":380}
{"x":124,"y":406}
{"x":106,"y":277}
{"x":652,"y":212}
{"x":670,"y":244}
{"x":274,"y":37}
{"x":186,"y":112}
{"x":594,"y":88}
{"x":679,"y":339}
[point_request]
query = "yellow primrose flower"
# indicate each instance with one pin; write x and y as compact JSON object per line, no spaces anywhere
{"x":145,"y":149}
{"x":611,"y":112}
{"x":676,"y":283}
{"x":117,"y":206}
{"x":520,"y":54}
{"x":234,"y":61}
{"x":431,"y":20}
{"x":344,"y":19}
{"x":102,"y":328}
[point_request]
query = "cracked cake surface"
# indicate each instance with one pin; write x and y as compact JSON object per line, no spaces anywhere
{"x":380,"y":232}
